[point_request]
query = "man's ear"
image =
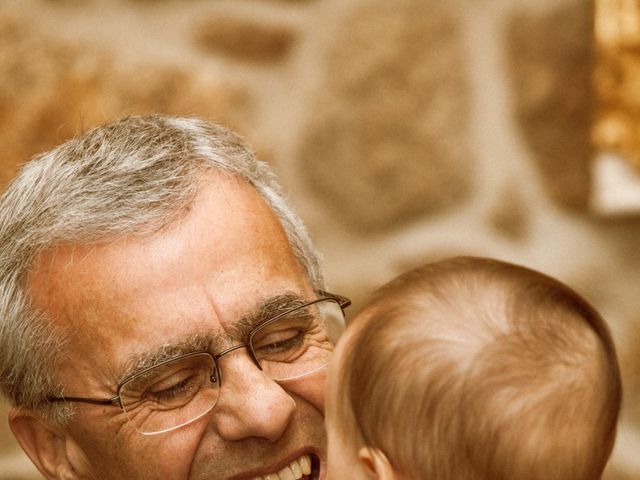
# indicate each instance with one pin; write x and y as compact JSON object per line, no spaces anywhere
{"x":376,"y":463}
{"x":45,"y":444}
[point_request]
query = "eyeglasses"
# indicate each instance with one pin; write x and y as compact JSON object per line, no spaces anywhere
{"x":176,"y":392}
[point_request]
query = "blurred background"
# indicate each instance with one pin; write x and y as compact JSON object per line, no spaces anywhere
{"x":402,"y":131}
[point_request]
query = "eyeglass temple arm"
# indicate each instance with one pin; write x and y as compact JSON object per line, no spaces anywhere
{"x":344,"y":302}
{"x":95,"y":401}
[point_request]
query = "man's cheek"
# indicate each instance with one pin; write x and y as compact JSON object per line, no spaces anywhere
{"x":309,"y":388}
{"x":167,"y":456}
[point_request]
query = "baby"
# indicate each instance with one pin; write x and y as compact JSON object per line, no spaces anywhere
{"x":473,"y":369}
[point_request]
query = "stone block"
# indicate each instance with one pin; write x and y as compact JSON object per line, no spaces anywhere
{"x":509,"y":214}
{"x":50,"y":91}
{"x":70,"y":3}
{"x":244,"y":38}
{"x":550,"y":59}
{"x":386,"y":142}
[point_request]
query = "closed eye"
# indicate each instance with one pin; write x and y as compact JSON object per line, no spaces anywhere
{"x":280,"y":341}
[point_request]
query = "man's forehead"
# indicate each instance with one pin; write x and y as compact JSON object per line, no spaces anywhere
{"x":227,"y":214}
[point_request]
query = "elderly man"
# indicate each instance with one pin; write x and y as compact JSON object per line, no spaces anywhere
{"x":161,"y":310}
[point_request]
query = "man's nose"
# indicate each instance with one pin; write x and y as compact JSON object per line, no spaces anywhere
{"x":250,"y":403}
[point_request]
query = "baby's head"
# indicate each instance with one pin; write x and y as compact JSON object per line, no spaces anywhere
{"x":472,"y":368}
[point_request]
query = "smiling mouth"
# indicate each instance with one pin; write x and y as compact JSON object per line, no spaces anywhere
{"x":306,"y":467}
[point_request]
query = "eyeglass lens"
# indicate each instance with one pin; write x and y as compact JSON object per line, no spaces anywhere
{"x":180,"y":391}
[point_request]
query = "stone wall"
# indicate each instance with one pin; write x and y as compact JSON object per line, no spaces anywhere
{"x":403,"y":131}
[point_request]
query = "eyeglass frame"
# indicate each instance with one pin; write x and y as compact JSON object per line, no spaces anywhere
{"x":116,"y":400}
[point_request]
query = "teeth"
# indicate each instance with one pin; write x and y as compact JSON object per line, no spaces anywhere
{"x":294,"y":471}
{"x":305,"y":464}
{"x":286,"y":474}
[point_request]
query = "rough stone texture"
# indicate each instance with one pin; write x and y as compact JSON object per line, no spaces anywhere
{"x":70,"y":3}
{"x":50,"y":91}
{"x":509,"y":215}
{"x":21,"y":91}
{"x":387,"y":141}
{"x":244,"y":38}
{"x":550,"y":61}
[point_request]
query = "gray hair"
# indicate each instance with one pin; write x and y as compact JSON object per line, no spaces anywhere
{"x":131,"y":177}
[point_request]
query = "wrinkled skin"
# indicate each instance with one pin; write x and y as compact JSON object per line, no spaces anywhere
{"x":201,"y":274}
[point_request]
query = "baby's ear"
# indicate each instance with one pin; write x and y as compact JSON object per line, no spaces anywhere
{"x":376,"y":463}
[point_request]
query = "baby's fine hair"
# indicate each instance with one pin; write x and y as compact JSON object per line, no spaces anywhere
{"x":472,"y":368}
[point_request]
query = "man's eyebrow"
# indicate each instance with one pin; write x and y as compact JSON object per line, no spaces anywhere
{"x":198,"y":342}
{"x":205,"y":341}
{"x":268,"y":309}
